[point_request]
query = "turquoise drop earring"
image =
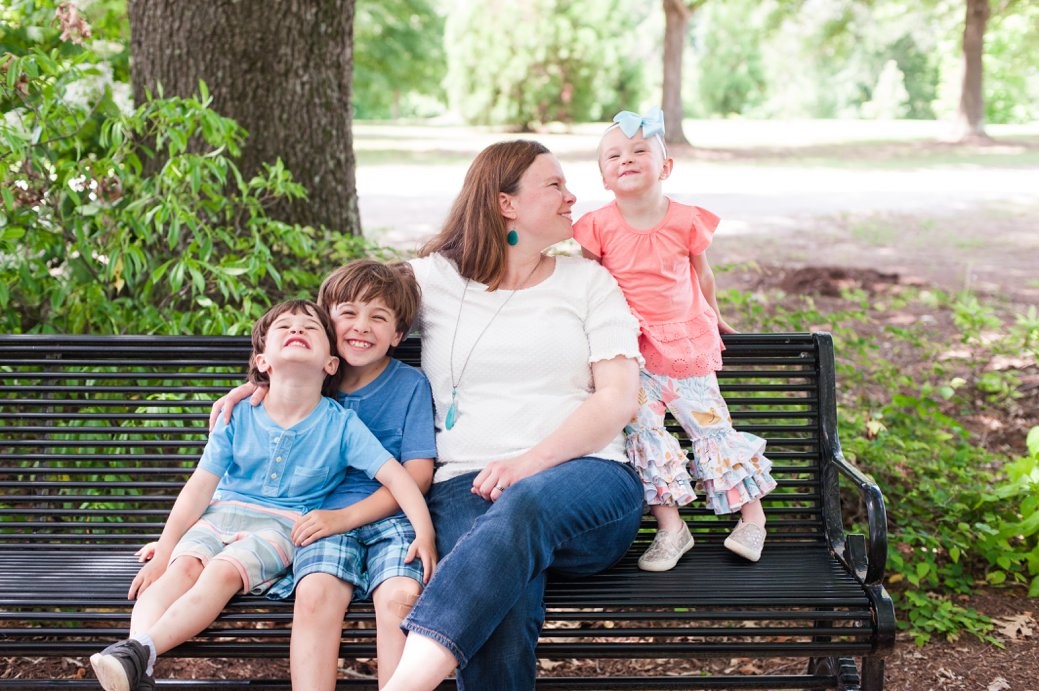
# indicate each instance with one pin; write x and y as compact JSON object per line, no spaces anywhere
{"x":512,"y":238}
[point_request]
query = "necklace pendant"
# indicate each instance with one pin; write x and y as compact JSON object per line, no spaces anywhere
{"x":452,"y":412}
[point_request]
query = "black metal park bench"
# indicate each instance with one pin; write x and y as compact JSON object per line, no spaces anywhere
{"x":97,"y":434}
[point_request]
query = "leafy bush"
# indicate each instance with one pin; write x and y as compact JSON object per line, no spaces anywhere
{"x":959,"y":515}
{"x":118,"y":219}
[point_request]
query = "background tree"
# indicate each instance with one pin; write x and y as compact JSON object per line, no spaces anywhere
{"x":281,"y":69}
{"x":677,"y":14}
{"x":971,"y":113}
{"x":996,"y":37}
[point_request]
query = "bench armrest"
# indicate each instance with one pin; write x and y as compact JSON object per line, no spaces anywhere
{"x":868,"y":560}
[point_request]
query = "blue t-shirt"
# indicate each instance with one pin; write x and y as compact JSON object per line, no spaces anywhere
{"x":260,"y":462}
{"x":398,"y":408}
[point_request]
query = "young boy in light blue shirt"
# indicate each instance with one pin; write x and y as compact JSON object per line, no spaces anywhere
{"x":231,"y":528}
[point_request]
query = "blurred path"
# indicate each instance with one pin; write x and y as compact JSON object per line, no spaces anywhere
{"x":403,"y":205}
{"x":769,"y":199}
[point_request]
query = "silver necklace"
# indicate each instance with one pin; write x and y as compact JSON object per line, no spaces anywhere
{"x":452,"y":411}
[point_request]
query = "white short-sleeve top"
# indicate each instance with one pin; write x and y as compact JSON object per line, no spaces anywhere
{"x":532,"y":366}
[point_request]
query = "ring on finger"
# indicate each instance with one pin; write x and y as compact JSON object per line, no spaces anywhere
{"x":500,"y":488}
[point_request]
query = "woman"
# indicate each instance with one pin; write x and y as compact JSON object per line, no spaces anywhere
{"x":533,"y":362}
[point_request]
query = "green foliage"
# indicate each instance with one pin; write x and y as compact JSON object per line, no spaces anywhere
{"x":399,"y":60}
{"x":118,"y":219}
{"x":1011,"y":72}
{"x":105,"y":28}
{"x":731,"y":71}
{"x":930,"y":614}
{"x":852,"y":59}
{"x":525,"y":64}
{"x":889,"y":99}
{"x":973,"y":318}
{"x":920,"y":452}
{"x":1020,"y":492}
{"x":959,"y":515}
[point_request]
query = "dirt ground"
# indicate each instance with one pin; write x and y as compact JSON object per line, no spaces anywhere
{"x":989,"y":247}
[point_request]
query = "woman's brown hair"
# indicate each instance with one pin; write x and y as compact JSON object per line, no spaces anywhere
{"x":473,"y":235}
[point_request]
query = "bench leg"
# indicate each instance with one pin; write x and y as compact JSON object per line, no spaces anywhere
{"x":873,"y":673}
{"x":842,"y":670}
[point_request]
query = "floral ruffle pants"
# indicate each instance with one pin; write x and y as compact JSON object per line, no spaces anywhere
{"x":728,"y":466}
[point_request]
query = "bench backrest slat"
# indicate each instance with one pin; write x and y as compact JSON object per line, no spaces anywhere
{"x":98,"y":434}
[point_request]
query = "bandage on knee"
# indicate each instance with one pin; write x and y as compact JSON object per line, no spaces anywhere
{"x":402,"y":601}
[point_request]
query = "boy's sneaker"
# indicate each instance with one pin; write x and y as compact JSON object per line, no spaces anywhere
{"x":121,"y":667}
{"x":746,"y":540}
{"x":667,"y":548}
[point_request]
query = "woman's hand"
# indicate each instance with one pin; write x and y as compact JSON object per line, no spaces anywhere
{"x":598,"y":420}
{"x":228,"y":401}
{"x":498,"y":476}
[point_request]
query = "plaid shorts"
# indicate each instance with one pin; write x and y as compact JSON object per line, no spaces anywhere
{"x":364,"y":556}
{"x":255,"y":540}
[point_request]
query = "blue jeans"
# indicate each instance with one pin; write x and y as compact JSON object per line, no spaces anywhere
{"x":485,"y":602}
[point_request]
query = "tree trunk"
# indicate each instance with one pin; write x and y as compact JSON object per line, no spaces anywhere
{"x":281,"y":68}
{"x":971,"y":115}
{"x":676,"y":22}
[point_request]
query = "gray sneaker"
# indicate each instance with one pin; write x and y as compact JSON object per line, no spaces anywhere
{"x":121,"y":667}
{"x":746,"y":540}
{"x":667,"y":548}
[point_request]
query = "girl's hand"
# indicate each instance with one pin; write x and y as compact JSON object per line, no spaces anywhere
{"x":228,"y":401}
{"x":316,"y":525}
{"x":498,"y":476}
{"x":146,"y":553}
{"x":423,"y":547}
{"x":723,"y":327}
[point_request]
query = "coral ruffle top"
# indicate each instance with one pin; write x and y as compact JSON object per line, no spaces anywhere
{"x":654,"y":268}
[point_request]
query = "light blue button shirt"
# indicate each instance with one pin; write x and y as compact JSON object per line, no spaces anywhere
{"x":260,"y":462}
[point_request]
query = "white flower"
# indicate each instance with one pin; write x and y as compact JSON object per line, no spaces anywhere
{"x":122,"y":96}
{"x":14,"y":120}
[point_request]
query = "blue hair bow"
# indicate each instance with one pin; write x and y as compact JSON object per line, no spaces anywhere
{"x":651,"y":123}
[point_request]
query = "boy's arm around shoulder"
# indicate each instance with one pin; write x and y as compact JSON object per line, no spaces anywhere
{"x":192,"y":501}
{"x":417,"y":446}
{"x":224,"y":406}
{"x":381,"y":504}
{"x":408,"y":495}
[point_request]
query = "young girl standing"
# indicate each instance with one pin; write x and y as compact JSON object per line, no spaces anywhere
{"x":656,"y":249}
